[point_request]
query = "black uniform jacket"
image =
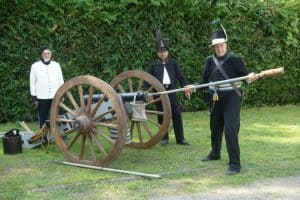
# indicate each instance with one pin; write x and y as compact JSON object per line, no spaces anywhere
{"x":156,"y":68}
{"x":233,"y":66}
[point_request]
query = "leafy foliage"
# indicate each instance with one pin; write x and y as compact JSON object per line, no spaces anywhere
{"x":104,"y":38}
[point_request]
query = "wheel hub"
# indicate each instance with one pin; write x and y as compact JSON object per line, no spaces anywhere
{"x":83,"y":124}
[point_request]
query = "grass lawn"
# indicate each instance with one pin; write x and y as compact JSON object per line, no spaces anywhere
{"x":269,"y":142}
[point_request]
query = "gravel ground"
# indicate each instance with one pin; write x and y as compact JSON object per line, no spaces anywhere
{"x":284,"y":188}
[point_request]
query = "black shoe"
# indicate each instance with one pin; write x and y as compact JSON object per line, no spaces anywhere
{"x":232,"y":171}
{"x":45,"y":140}
{"x":209,"y":158}
{"x":164,"y":142}
{"x":183,"y":142}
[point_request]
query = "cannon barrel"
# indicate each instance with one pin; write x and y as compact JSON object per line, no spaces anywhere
{"x":126,"y":97}
{"x":138,"y":96}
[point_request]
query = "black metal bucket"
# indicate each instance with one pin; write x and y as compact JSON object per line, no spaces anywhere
{"x":12,"y":142}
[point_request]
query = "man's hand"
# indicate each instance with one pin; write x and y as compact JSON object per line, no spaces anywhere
{"x":252,"y":77}
{"x":188,"y":90}
{"x":35,"y":100}
{"x":36,"y":103}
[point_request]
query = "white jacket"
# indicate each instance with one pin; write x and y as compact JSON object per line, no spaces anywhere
{"x":45,"y":79}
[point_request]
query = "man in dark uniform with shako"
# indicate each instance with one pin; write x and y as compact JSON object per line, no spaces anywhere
{"x":226,"y":98}
{"x":168,"y":72}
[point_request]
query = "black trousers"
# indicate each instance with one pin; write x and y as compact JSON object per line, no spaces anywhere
{"x":176,"y":118}
{"x":225,"y":117}
{"x":44,"y":110}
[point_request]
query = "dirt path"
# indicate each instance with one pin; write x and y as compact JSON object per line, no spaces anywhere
{"x":285,"y":188}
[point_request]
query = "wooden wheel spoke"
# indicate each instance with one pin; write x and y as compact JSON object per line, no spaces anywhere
{"x":138,"y":125}
{"x":90,"y":142}
{"x":99,"y":117}
{"x":68,"y":131}
{"x":154,"y":112}
{"x":99,"y":132}
{"x":130,"y":84}
{"x":65,"y":120}
{"x":114,"y":122}
{"x":82,"y":143}
{"x":150,"y":88}
{"x":109,"y":125}
{"x":94,"y":111}
{"x":99,"y":144}
{"x":66,"y":108}
{"x":141,"y":82}
{"x":80,"y":90}
{"x":73,"y":140}
{"x":154,"y":100}
{"x":154,"y":122}
{"x":150,"y":133}
{"x":71,"y":98}
{"x":90,"y":98}
{"x":120,"y":87}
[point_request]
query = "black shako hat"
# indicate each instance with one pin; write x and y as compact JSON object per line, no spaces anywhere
{"x":218,"y":33}
{"x":161,"y":44}
{"x":43,"y":48}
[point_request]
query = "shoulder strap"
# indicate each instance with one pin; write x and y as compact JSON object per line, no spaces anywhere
{"x":220,"y":68}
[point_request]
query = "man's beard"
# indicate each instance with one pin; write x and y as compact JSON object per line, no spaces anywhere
{"x":46,"y":59}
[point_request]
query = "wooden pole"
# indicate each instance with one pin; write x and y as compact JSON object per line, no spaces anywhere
{"x":24,"y":125}
{"x":266,"y":73}
{"x":111,"y":170}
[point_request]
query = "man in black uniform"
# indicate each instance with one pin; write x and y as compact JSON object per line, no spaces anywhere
{"x":226,"y":98}
{"x":168,"y":72}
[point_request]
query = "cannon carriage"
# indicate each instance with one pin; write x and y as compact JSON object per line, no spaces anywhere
{"x":92,"y":121}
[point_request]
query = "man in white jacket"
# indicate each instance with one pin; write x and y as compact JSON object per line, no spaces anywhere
{"x":45,"y":79}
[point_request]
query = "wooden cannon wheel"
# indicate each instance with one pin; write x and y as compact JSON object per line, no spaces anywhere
{"x":147,"y":133}
{"x":86,"y":138}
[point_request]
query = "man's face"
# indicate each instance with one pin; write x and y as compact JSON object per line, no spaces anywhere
{"x":163,"y":55}
{"x":220,"y":49}
{"x":46,"y":55}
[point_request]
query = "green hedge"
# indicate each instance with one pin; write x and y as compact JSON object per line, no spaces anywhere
{"x":105,"y":38}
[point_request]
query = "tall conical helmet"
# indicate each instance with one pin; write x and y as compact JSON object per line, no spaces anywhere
{"x":218,"y":32}
{"x":161,"y":44}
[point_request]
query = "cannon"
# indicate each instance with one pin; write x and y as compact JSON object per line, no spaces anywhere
{"x":92,"y":121}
